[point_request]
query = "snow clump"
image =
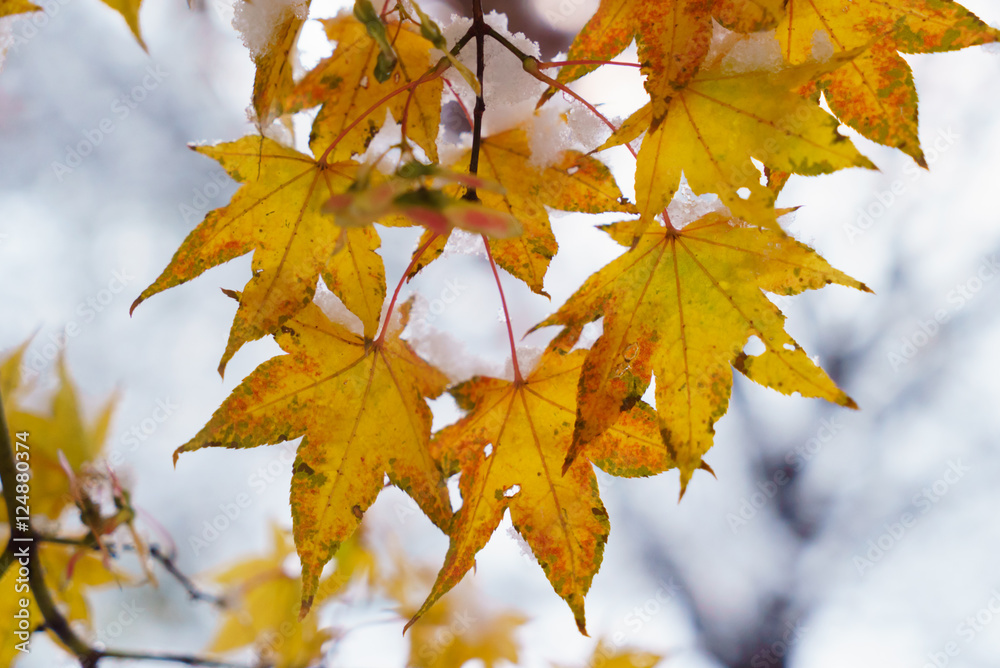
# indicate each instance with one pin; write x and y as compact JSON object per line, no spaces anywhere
{"x":256,"y":21}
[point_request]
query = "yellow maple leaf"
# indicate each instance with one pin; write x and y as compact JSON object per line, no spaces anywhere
{"x":608,"y":656}
{"x":673,"y":38}
{"x":362,"y":411}
{"x":277,"y":214}
{"x":71,"y":573}
{"x":263,"y":606}
{"x":683,"y":304}
{"x":12,"y":381}
{"x":63,"y":429}
{"x":874,"y":93}
{"x":68,"y":594}
{"x":10,"y":7}
{"x":574,"y":182}
{"x":129,"y":9}
{"x":510,"y":450}
{"x":452,"y":635}
{"x":462,"y":627}
{"x":346,"y":86}
{"x":720,"y":121}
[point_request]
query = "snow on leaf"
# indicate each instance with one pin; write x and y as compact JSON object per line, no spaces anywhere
{"x":346,"y":86}
{"x":875,"y":93}
{"x":673,"y":38}
{"x":362,"y":412}
{"x":270,"y":29}
{"x":682,"y":304}
{"x":530,"y":426}
{"x":277,"y":215}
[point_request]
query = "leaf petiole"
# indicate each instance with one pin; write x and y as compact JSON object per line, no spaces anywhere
{"x":399,"y":286}
{"x":518,"y":379}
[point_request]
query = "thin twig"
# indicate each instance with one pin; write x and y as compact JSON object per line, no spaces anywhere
{"x":196,"y":594}
{"x":63,"y":540}
{"x":156,"y":552}
{"x":185,"y":659}
{"x":479,"y":29}
{"x":570,"y":63}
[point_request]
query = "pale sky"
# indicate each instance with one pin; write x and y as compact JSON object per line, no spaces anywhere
{"x":919,"y":356}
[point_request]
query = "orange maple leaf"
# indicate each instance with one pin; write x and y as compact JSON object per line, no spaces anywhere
{"x":673,"y":38}
{"x":875,"y":93}
{"x":510,"y":450}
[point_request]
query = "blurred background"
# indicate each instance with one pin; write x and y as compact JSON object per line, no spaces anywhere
{"x":831,"y":537}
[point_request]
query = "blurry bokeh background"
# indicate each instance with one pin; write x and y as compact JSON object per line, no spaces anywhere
{"x":798,"y":555}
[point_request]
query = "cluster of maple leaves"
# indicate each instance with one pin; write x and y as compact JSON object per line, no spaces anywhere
{"x":679,"y":304}
{"x":258,"y":597}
